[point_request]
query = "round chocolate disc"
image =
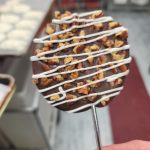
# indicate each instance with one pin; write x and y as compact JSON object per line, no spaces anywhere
{"x":81,"y":60}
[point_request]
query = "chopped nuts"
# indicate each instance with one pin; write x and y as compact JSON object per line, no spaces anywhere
{"x":45,"y":81}
{"x":45,"y":67}
{"x":55,"y":97}
{"x":97,"y":14}
{"x":91,"y":85}
{"x":102,"y":59}
{"x":98,"y":26}
{"x":90,"y":59}
{"x":61,"y":45}
{"x":109,"y":43}
{"x":78,"y":48}
{"x":123,"y":68}
{"x":54,"y":37}
{"x":104,"y":39}
{"x":74,"y":75}
{"x":87,"y":49}
{"x":94,"y":47}
{"x":114,"y":70}
{"x":57,"y":14}
{"x":68,"y":35}
{"x":38,"y":51}
{"x":53,"y":61}
{"x":104,"y":102}
{"x":70,"y":96}
{"x":118,"y":43}
{"x":79,"y":66}
{"x":67,"y":13}
{"x":118,"y":81}
{"x":100,"y":75}
{"x":68,"y":59}
{"x":112,"y":83}
{"x":67,"y":85}
{"x":122,"y":34}
{"x":83,"y":90}
{"x":82,"y":33}
{"x":49,"y":29}
{"x":92,"y":98}
{"x":64,"y":26}
{"x":35,"y":81}
{"x":117,"y":56}
{"x":113,"y":25}
{"x":45,"y":48}
{"x":71,"y":67}
{"x":58,"y":78}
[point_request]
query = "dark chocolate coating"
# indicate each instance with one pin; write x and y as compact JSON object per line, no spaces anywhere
{"x":102,"y":86}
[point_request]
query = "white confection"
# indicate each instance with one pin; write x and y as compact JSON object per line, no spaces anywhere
{"x":8,"y":18}
{"x":5,"y":27}
{"x":2,"y":37}
{"x":27,"y":24}
{"x":20,"y":34}
{"x":93,"y":38}
{"x":5,"y":9}
{"x":33,"y":15}
{"x":11,"y":45}
{"x":20,"y":8}
{"x":3,"y":91}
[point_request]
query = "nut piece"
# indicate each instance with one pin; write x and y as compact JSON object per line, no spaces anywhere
{"x":123,"y":68}
{"x":78,"y":48}
{"x":118,"y":81}
{"x":91,"y":85}
{"x":57,"y":14}
{"x":59,"y":78}
{"x":90,"y":59}
{"x":70,"y":96}
{"x":109,"y":43}
{"x":114,"y":70}
{"x":49,"y":29}
{"x":87,"y":49}
{"x":94,"y":47}
{"x":69,"y":68}
{"x":54,"y":37}
{"x":45,"y":48}
{"x":112,"y":83}
{"x":45,"y":67}
{"x":98,"y":26}
{"x":79,"y":66}
{"x":83,"y":90}
{"x":82,"y":33}
{"x":117,"y":56}
{"x":100,"y":75}
{"x":74,"y":75}
{"x":97,"y":14}
{"x":55,"y":97}
{"x":102,"y":59}
{"x":118,"y":43}
{"x":92,"y":98}
{"x":53,"y":61}
{"x":68,"y":59}
{"x":122,"y":34}
{"x":104,"y":102}
{"x":113,"y":24}
{"x":67,"y":13}
{"x":104,"y":39}
{"x":35,"y":81}
{"x":67,"y":85}
{"x":45,"y":81}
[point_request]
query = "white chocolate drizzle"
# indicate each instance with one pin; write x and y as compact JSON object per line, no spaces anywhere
{"x":102,"y":20}
{"x":95,"y":37}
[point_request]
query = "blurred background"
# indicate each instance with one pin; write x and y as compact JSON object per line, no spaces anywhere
{"x":28,"y":122}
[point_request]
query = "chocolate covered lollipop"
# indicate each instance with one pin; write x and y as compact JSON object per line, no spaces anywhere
{"x":82,"y":60}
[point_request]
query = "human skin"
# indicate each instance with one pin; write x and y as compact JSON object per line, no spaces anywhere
{"x":132,"y":145}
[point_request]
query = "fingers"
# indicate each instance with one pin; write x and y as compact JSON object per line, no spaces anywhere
{"x":132,"y":145}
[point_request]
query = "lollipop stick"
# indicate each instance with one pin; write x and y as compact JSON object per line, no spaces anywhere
{"x":96,"y":127}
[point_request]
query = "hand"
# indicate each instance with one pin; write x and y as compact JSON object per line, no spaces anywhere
{"x":132,"y":145}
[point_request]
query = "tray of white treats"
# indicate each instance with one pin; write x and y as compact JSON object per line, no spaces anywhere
{"x":19,"y":21}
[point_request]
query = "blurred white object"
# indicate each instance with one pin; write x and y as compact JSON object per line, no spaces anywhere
{"x":8,"y":18}
{"x":20,"y":8}
{"x":120,"y":2}
{"x":4,"y":90}
{"x":20,"y":34}
{"x":27,"y":24}
{"x":2,"y":37}
{"x":4,"y":27}
{"x":140,"y":2}
{"x":33,"y":15}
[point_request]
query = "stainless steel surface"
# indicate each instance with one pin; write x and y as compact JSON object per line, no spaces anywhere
{"x":96,"y":127}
